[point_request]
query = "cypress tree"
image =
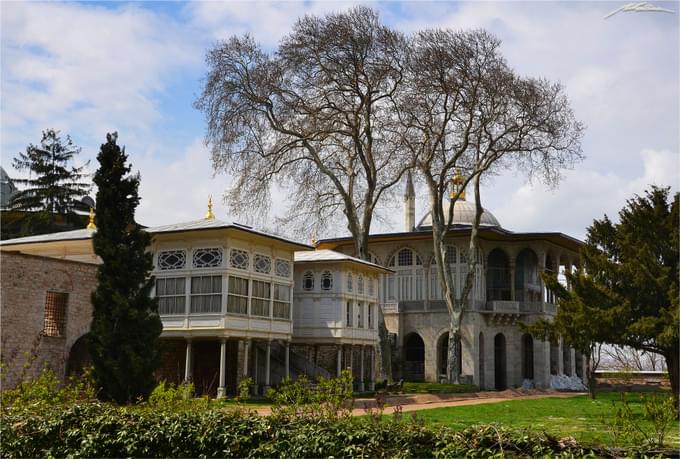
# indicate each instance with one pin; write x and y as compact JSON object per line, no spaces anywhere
{"x":125,"y":323}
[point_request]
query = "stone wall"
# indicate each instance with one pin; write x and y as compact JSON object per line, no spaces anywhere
{"x":24,"y":284}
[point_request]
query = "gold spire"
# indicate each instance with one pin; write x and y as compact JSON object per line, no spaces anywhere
{"x":210,"y":215}
{"x":457,"y":187}
{"x":313,"y":239}
{"x":91,"y":225}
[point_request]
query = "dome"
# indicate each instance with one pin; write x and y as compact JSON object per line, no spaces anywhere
{"x":463,"y":214}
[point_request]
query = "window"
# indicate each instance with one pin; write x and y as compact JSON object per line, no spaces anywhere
{"x":326,"y":280}
{"x":281,"y":301}
{"x":207,"y":258}
{"x":348,"y":314}
{"x":371,"y":319}
{"x":262,"y":293}
{"x":237,"y":300}
{"x":360,"y":284}
{"x":407,"y":282}
{"x":171,"y":259}
{"x":171,"y":296}
{"x":371,"y":286}
{"x":360,"y":315}
{"x":206,"y":294}
{"x":55,"y":314}
{"x":263,"y":264}
{"x":349,"y":282}
{"x":238,"y":259}
{"x":308,"y":281}
{"x":282,"y":268}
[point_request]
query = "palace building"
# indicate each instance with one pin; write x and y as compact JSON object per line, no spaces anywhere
{"x":236,"y":302}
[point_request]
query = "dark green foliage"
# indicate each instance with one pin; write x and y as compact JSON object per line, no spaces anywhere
{"x":54,"y":188}
{"x":103,"y":430}
{"x":125,"y":323}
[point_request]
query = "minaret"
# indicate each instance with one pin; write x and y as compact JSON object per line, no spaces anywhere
{"x":409,"y":205}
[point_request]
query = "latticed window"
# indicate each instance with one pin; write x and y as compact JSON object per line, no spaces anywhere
{"x":308,"y":281}
{"x":55,"y":314}
{"x":407,"y":283}
{"x":360,"y":315}
{"x":281,"y":301}
{"x":207,"y":258}
{"x":171,"y":296}
{"x":349,"y":282}
{"x":371,"y":319}
{"x":282,"y":268}
{"x":206,"y":294}
{"x":360,"y":284}
{"x":405,"y":257}
{"x":239,"y":259}
{"x":326,"y":280}
{"x":171,"y":259}
{"x":263,"y":264}
{"x":371,"y":286}
{"x":262,"y":293}
{"x":237,"y":299}
{"x":349,"y":311}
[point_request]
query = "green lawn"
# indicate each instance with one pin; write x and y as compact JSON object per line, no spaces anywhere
{"x":579,"y":417}
{"x":434,"y":388}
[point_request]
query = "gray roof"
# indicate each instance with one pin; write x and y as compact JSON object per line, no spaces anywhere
{"x":74,"y":235}
{"x":463,"y":214}
{"x":325,"y":255}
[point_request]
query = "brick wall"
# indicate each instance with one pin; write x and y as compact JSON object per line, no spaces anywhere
{"x":24,"y":283}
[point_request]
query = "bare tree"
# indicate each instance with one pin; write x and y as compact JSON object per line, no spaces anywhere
{"x":463,"y":108}
{"x":313,"y":118}
{"x":629,"y":359}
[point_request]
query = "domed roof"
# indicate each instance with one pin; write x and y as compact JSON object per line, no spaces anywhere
{"x":463,"y":214}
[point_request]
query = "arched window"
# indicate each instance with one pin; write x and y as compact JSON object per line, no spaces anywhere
{"x":407,"y":282}
{"x":360,"y":284}
{"x":326,"y":280}
{"x":308,"y":281}
{"x":498,"y":276}
{"x":349,"y":282}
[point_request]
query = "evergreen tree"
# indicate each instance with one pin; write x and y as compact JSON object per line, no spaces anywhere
{"x":54,"y":188}
{"x":125,"y":323}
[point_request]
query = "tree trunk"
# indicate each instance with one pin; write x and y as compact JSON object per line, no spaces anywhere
{"x":673,"y":364}
{"x":592,"y":382}
{"x":454,"y":350}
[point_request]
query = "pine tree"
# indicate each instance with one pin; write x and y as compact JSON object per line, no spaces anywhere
{"x":55,"y":186}
{"x":125,"y":323}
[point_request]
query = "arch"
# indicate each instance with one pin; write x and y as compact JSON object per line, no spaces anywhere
{"x":481,"y":360}
{"x":554,"y":358}
{"x":500,"y":367}
{"x":566,"y":360}
{"x":527,"y":356}
{"x":414,"y":357}
{"x":527,"y":284}
{"x":579,"y":364}
{"x":78,"y":357}
{"x":442,"y":354}
{"x":498,"y":276}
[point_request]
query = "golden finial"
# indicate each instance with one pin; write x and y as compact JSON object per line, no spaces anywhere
{"x":91,"y":225}
{"x":210,"y":215}
{"x":457,"y":187}
{"x":314,"y":241}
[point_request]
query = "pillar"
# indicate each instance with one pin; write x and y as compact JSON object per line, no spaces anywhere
{"x":339,"y":363}
{"x":188,"y":364}
{"x":246,"y":350}
{"x":361,"y":369}
{"x":560,"y":357}
{"x":267,"y":365}
{"x":223,"y":376}
{"x":512,"y":281}
{"x":371,"y":381}
{"x":572,"y":361}
{"x":287,"y":360}
{"x":546,"y":364}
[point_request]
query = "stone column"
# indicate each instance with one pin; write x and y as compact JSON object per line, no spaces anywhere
{"x":223,"y":376}
{"x":188,"y":364}
{"x":371,"y":383}
{"x":546,"y":364}
{"x":246,"y":352}
{"x":339,"y":363}
{"x":572,"y":361}
{"x":361,"y":369}
{"x":287,"y":360}
{"x":267,"y":365}
{"x":560,"y":357}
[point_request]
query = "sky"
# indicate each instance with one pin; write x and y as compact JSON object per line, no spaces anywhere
{"x":136,"y":67}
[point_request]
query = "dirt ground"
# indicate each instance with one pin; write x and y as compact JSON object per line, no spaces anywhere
{"x":417,"y":402}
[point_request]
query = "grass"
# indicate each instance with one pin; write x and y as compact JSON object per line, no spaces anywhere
{"x":580,"y":417}
{"x":434,"y":388}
